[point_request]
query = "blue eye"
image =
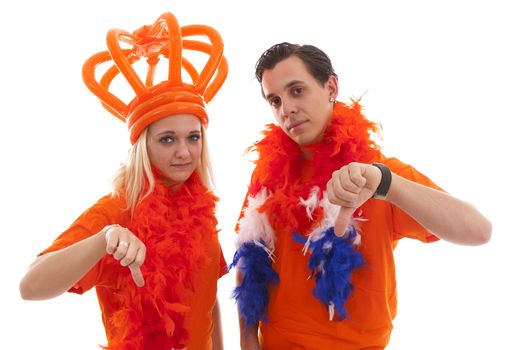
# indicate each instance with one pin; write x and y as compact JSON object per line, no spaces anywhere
{"x":166,"y":139}
{"x":195,"y":137}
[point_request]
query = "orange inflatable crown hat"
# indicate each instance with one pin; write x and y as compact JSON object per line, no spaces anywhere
{"x":164,"y":39}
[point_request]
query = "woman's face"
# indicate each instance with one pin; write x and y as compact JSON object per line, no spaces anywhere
{"x":175,"y":147}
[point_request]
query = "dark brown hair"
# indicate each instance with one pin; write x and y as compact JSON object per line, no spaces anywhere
{"x":317,"y":62}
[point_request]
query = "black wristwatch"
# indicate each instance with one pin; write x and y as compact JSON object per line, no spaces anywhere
{"x":386,"y":180}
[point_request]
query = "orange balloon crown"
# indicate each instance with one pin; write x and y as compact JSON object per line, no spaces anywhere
{"x":151,"y":43}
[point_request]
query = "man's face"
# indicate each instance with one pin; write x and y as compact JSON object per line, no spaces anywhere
{"x":300,"y":104}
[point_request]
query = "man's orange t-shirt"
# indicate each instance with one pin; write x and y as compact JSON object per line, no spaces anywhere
{"x":299,"y":321}
{"x":111,"y":210}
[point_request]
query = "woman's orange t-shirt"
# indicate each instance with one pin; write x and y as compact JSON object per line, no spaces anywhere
{"x":111,"y":210}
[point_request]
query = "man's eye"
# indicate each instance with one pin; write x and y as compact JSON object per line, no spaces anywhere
{"x":298,"y":90}
{"x":275,"y":101}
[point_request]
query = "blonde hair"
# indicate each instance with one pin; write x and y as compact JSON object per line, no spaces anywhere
{"x":135,"y":178}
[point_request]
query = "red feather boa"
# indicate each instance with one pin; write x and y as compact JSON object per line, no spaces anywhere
{"x":346,"y":139}
{"x":171,"y":225}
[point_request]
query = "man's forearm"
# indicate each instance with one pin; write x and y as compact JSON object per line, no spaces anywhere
{"x":447,"y":217}
{"x":217,"y":327}
{"x":249,"y":335}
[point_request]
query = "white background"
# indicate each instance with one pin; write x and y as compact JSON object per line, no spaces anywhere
{"x":446,"y":79}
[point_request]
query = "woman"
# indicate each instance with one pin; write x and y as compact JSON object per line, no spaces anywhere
{"x":150,"y":248}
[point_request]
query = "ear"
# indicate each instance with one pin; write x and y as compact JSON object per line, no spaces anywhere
{"x":333,"y":86}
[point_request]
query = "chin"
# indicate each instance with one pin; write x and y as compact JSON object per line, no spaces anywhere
{"x":304,"y":141}
{"x":301,"y":140}
{"x":180,"y":178}
{"x":183,"y":178}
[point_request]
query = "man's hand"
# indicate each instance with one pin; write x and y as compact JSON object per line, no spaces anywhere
{"x":127,"y":248}
{"x":350,"y":187}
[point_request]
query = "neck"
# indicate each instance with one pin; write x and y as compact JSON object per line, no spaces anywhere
{"x":172,"y":185}
{"x":307,"y":154}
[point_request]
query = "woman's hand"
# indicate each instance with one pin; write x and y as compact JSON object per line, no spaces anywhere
{"x":126,"y":248}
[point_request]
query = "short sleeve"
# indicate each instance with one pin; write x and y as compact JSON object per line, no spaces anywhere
{"x":403,"y":224}
{"x":106,"y":211}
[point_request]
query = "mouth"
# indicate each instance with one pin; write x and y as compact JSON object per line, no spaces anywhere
{"x":296,"y":124}
{"x":181,"y":165}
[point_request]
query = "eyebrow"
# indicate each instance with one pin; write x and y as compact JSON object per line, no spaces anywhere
{"x":171,"y":132}
{"x":290,"y":84}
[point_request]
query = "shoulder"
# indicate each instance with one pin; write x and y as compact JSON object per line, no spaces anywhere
{"x":112,"y":207}
{"x":407,"y":171}
{"x":397,"y":166}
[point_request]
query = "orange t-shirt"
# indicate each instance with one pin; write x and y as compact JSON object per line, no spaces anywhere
{"x":111,"y":210}
{"x":297,"y":320}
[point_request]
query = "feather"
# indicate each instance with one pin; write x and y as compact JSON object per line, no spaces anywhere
{"x":293,"y":202}
{"x":279,"y":167}
{"x":312,"y":202}
{"x":172,"y":225}
{"x":254,"y":225}
{"x":332,"y":261}
{"x":254,"y":261}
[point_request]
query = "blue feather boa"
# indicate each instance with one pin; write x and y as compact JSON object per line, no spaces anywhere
{"x":332,"y":261}
{"x":252,"y":294}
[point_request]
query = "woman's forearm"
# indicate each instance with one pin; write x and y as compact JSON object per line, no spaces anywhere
{"x":54,"y":273}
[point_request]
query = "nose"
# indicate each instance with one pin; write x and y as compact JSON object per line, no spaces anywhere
{"x":182,"y":150}
{"x":288,"y":107}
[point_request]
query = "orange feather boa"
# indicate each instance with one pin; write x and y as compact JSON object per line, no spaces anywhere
{"x":279,"y":166}
{"x":171,"y":225}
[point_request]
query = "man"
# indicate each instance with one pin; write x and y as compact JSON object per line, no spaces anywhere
{"x":322,"y":181}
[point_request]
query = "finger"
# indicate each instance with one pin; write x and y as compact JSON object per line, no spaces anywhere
{"x":122,"y":249}
{"x":351,"y":178}
{"x":355,"y":172}
{"x":343,"y":220}
{"x":141,"y":255}
{"x":335,"y":199}
{"x":111,"y":240}
{"x":346,"y":182}
{"x":131,"y":253}
{"x":342,"y":194}
{"x":136,"y":274}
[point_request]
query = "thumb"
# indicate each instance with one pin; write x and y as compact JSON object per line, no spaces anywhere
{"x":343,"y":220}
{"x":136,"y":274}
